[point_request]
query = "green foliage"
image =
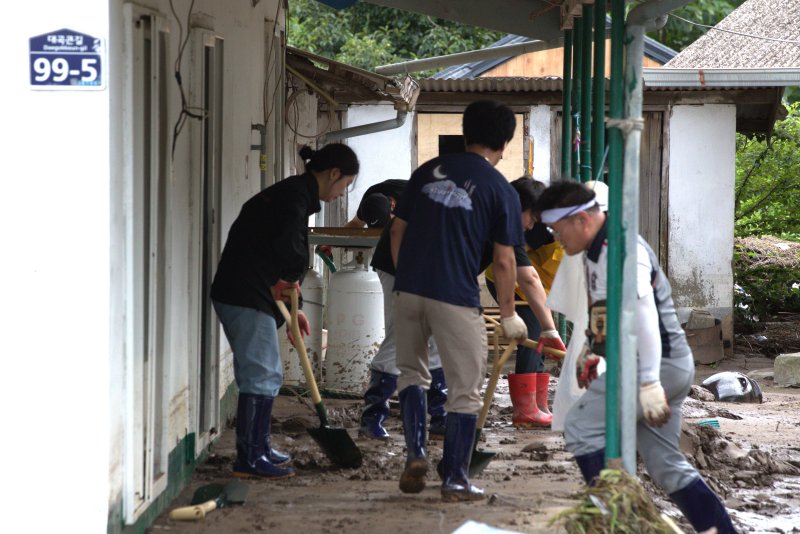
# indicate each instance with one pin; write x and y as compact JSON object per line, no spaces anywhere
{"x":768,"y":181}
{"x":367,"y":35}
{"x":766,"y":290}
{"x":678,"y":34}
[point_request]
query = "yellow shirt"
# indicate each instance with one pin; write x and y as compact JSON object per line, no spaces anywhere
{"x":545,"y":260}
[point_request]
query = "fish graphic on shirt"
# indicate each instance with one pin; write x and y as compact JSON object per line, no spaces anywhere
{"x":446,"y":192}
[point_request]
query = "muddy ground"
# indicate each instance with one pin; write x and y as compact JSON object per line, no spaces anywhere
{"x":752,"y":459}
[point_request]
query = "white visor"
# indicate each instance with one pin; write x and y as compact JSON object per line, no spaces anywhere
{"x":556,"y":214}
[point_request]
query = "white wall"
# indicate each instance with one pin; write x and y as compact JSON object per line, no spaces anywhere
{"x":382,"y":155}
{"x":702,"y":175}
{"x":54,"y":208}
{"x":539,"y":124}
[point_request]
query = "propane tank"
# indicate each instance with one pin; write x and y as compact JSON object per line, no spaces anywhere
{"x":293,"y":375}
{"x":355,"y":325}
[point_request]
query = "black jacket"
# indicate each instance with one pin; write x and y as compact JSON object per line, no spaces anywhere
{"x":267,"y":241}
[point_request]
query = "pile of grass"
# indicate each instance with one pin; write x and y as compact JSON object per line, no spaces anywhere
{"x":617,"y":503}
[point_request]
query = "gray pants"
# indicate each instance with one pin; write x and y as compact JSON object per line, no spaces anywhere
{"x":385,"y":360}
{"x":585,"y":427}
{"x":461,"y":335}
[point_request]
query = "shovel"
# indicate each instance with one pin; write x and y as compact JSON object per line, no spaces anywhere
{"x":210,"y":497}
{"x":480,"y":459}
{"x":336,"y":443}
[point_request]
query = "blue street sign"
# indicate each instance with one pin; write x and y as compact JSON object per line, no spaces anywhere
{"x":66,"y":59}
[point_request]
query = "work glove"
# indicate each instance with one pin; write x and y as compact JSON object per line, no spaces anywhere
{"x":550,"y":338}
{"x":302,"y":322}
{"x":279,"y":288}
{"x":327,"y":250}
{"x":514,"y":327}
{"x":586,"y":367}
{"x":654,"y":404}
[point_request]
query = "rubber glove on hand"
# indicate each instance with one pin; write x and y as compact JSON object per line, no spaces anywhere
{"x":654,"y":404}
{"x":327,"y":250}
{"x":302,"y":322}
{"x":586,"y":367}
{"x":550,"y":338}
{"x":514,"y":327}
{"x":279,"y":288}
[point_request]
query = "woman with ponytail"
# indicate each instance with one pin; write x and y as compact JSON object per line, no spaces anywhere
{"x":267,"y":253}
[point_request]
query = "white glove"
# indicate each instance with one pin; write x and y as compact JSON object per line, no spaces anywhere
{"x":514,"y":327}
{"x":654,"y":404}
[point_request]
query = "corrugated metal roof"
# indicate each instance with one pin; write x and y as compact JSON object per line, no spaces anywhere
{"x":775,"y":19}
{"x":499,"y":85}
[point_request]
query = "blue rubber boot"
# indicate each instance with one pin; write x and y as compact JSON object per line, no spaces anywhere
{"x":459,"y":440}
{"x":591,"y":464}
{"x":412,"y":406}
{"x":376,"y":405}
{"x":702,"y":508}
{"x":437,"y":396}
{"x":252,"y":427}
{"x":276,"y":457}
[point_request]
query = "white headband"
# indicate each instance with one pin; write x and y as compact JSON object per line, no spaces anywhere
{"x":556,"y":214}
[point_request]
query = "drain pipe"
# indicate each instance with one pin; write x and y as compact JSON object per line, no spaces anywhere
{"x":364,"y":129}
{"x":642,"y":18}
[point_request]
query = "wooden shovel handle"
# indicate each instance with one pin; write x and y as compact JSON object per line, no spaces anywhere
{"x":531,"y":344}
{"x":193,"y":513}
{"x":299,"y":344}
{"x":490,"y":387}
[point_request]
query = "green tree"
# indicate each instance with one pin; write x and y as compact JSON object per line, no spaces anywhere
{"x":678,"y":34}
{"x":367,"y":35}
{"x":768,"y":181}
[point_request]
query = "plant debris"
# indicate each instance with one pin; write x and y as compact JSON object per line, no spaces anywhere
{"x":617,"y":503}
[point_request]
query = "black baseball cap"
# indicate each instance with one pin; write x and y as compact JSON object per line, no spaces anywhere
{"x":374,"y":210}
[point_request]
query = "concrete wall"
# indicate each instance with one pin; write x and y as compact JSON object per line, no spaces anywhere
{"x":66,"y":212}
{"x":539,"y":124}
{"x":701,"y":199}
{"x":54,"y":209}
{"x":383,"y":155}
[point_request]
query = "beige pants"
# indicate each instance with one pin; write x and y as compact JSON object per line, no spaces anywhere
{"x":460,"y":334}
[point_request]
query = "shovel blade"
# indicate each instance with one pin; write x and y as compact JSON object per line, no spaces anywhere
{"x":207,"y":493}
{"x":233,"y":492}
{"x":337,"y":445}
{"x":479,"y":461}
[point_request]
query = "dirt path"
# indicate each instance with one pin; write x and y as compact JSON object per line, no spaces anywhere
{"x":532,"y":478}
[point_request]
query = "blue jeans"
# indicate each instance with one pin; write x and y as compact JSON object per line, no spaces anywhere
{"x":528,"y":360}
{"x":253,"y":336}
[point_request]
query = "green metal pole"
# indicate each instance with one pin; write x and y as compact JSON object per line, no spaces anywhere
{"x":616,"y":242}
{"x":577,"y":69}
{"x":586,"y":95}
{"x":566,"y":108}
{"x":599,"y":93}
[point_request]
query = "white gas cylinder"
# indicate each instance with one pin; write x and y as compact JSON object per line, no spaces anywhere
{"x":311,"y":289}
{"x":354,"y":321}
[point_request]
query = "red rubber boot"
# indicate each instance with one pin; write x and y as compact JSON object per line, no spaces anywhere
{"x":522,"y":388}
{"x":542,"y":385}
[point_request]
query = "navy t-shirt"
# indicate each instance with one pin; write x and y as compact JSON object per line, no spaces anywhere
{"x":453,"y":205}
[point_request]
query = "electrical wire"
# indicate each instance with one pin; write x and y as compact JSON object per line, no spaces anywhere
{"x":776,"y":39}
{"x":268,"y":57}
{"x":187,"y":111}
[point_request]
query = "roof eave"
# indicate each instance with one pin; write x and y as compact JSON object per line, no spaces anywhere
{"x":671,"y":77}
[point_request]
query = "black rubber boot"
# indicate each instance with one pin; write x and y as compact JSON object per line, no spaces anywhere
{"x":459,"y":440}
{"x":412,"y":406}
{"x":276,"y":457}
{"x":376,"y":405}
{"x":252,"y":425}
{"x":591,"y":464}
{"x":702,"y":508}
{"x":437,"y":396}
